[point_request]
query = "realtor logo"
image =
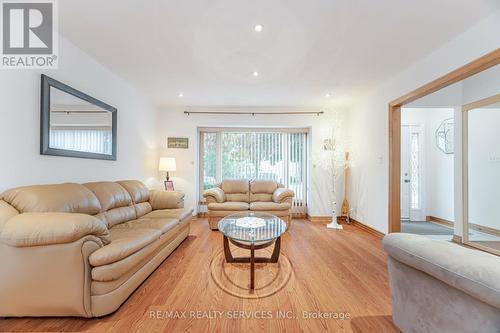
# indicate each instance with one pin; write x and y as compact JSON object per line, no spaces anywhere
{"x":29,"y":34}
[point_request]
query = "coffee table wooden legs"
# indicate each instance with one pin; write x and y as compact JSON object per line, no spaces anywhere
{"x":227,"y":250}
{"x":252,"y":259}
{"x":276,"y":252}
{"x":252,"y":266}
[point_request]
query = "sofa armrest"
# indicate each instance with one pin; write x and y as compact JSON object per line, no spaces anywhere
{"x":472,"y":271}
{"x":48,"y":280}
{"x":281,"y":195}
{"x":214,"y":195}
{"x":166,"y":199}
{"x":36,"y":229}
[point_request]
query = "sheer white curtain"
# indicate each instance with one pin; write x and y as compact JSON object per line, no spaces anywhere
{"x":274,"y":155}
{"x":87,"y":140}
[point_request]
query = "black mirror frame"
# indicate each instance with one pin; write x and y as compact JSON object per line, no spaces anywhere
{"x":48,"y":82}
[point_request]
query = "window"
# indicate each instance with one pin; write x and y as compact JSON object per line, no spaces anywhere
{"x":279,"y":155}
{"x":415,"y":172}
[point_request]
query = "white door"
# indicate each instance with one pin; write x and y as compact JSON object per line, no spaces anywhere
{"x":405,"y":172}
{"x":411,"y":173}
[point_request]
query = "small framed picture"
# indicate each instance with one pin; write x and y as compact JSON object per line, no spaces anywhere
{"x":178,"y":143}
{"x":169,"y":185}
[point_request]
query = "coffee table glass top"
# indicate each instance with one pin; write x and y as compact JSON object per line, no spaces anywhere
{"x":252,"y":227}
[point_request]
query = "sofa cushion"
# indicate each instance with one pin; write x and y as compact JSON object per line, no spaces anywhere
{"x":283,"y":214}
{"x":261,"y":197}
{"x":229,"y":205}
{"x":236,"y":190}
{"x":124,"y":242}
{"x":262,"y":190}
{"x":263,"y":186}
{"x":63,"y":198}
{"x":266,"y":206}
{"x":137,"y":190}
{"x":179,"y":214}
{"x":119,"y":215}
{"x":162,"y":224}
{"x":142,"y":209}
{"x":111,"y":195}
{"x":133,"y":262}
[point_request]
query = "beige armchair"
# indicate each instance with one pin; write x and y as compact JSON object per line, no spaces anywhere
{"x":440,"y":286}
{"x":237,"y":195}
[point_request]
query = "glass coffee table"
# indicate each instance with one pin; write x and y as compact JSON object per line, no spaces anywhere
{"x":252,"y":231}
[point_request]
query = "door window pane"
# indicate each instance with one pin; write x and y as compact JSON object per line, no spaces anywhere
{"x":415,"y":169}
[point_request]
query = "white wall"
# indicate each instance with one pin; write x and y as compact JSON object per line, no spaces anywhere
{"x":437,"y":176}
{"x":369,"y":121}
{"x":21,"y":163}
{"x":174,"y":123}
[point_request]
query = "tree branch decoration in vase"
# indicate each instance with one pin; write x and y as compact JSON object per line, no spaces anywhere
{"x":345,"y":203}
{"x":329,"y":146}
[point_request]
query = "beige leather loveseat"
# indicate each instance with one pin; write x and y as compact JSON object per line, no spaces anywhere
{"x":81,"y":250}
{"x":237,"y":195}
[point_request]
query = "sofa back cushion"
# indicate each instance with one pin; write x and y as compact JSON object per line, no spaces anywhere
{"x":139,"y":194}
{"x":110,"y":195}
{"x":64,"y":198}
{"x":137,"y":190}
{"x":116,"y":204}
{"x":119,"y":215}
{"x":262,"y":190}
{"x":236,"y":190}
{"x":142,"y":209}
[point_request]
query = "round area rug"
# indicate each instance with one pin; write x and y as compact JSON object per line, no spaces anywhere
{"x":234,"y":278}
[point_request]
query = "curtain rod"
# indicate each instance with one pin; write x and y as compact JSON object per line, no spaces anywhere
{"x":81,"y":111}
{"x":318,"y":113}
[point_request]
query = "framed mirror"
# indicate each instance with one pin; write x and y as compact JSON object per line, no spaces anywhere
{"x":444,"y":136}
{"x":481,"y":164}
{"x":74,"y":124}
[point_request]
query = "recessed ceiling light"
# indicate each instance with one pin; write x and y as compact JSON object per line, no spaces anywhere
{"x":327,"y":95}
{"x":181,"y":94}
{"x":255,"y":73}
{"x":259,"y":27}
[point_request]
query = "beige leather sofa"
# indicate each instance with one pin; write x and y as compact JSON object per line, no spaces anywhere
{"x":440,"y":286}
{"x":81,"y":250}
{"x":238,"y":195}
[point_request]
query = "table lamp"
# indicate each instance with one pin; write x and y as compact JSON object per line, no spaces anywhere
{"x":168,"y":164}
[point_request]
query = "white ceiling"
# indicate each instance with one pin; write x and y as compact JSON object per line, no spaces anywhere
{"x":208,"y":49}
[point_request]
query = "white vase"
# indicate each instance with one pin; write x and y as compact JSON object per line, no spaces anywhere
{"x":334,"y":224}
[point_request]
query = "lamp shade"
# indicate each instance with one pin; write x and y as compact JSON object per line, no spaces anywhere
{"x":167,"y":164}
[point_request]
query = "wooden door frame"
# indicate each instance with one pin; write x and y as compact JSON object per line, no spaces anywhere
{"x":465,"y":169}
{"x":487,"y":61}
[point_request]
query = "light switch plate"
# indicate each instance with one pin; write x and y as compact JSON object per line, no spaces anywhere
{"x":494,"y":159}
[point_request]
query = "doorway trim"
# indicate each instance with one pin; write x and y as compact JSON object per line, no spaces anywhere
{"x":465,"y":167}
{"x":487,"y":61}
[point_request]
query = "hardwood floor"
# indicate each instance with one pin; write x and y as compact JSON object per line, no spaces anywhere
{"x":334,"y":272}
